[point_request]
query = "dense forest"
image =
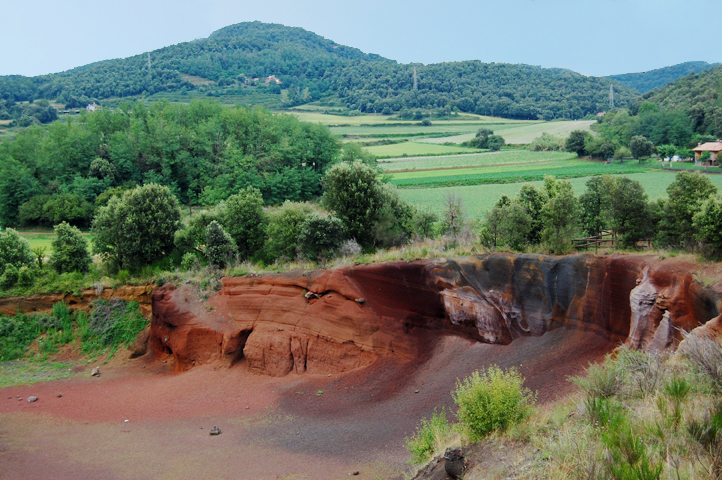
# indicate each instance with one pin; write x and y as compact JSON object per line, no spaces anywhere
{"x":647,"y":81}
{"x":236,"y":59}
{"x":203,"y":152}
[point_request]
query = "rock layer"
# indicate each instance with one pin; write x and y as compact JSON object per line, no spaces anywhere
{"x":345,"y":318}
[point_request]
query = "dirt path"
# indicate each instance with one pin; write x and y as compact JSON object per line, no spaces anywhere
{"x":288,"y":431}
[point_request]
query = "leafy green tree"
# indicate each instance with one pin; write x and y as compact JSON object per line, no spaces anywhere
{"x":394,"y":223}
{"x":70,"y":250}
{"x":532,"y":200}
{"x":707,"y":223}
{"x":353,"y":192}
{"x":220,"y":248}
{"x":576,"y":142}
{"x":509,"y":225}
{"x":353,"y":151}
{"x":284,"y":227}
{"x":495,"y":143}
{"x":640,"y":147}
{"x":138,"y":228}
{"x":666,"y":151}
{"x":320,"y":236}
{"x":192,"y":236}
{"x":685,"y":196}
{"x":560,"y":216}
{"x":245,"y":221}
{"x":14,"y":250}
{"x":594,"y":204}
{"x":629,"y":211}
{"x":454,"y":216}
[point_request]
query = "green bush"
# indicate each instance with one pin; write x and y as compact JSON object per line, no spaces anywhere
{"x":220,"y":247}
{"x":70,"y":250}
{"x":601,"y":380}
{"x":189,"y":262}
{"x":245,"y":221}
{"x":26,"y":276}
{"x":284,"y":226}
{"x":14,"y":250}
{"x":320,"y":236}
{"x":9,"y":278}
{"x":116,"y":322}
{"x":492,"y":400}
{"x":16,"y":335}
{"x":429,"y":439}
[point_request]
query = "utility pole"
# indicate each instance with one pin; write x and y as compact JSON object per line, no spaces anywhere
{"x":416,"y":80}
{"x":611,"y":96}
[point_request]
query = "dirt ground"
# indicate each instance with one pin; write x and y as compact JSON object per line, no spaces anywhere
{"x":295,"y":427}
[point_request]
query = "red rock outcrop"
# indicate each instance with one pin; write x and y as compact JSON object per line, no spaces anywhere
{"x":342,"y":319}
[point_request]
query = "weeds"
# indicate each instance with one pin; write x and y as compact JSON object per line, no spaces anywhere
{"x":602,"y":380}
{"x":430,"y":438}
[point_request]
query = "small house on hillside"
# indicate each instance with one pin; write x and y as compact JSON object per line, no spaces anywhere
{"x":272,"y":78}
{"x":713,"y":147}
{"x":91,"y":107}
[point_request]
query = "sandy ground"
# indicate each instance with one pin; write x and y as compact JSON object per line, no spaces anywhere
{"x":273,"y":428}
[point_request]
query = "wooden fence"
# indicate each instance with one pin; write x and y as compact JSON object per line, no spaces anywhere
{"x":605,"y":240}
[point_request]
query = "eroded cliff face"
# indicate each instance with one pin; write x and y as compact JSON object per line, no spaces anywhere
{"x":342,"y":319}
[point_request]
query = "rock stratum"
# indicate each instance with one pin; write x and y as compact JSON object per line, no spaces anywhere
{"x":338,"y":320}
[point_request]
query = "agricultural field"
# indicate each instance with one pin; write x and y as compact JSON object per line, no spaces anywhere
{"x":416,"y":148}
{"x":479,"y":199}
{"x":513,"y":173}
{"x":504,"y":157}
{"x":517,"y":134}
{"x":45,"y":239}
{"x":325,"y":119}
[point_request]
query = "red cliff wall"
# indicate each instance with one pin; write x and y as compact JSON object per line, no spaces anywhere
{"x":342,"y":319}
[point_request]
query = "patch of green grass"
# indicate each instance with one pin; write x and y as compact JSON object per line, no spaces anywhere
{"x":522,"y":134}
{"x":479,"y":199}
{"x":45,"y":239}
{"x":416,"y":148}
{"x":520,"y":158}
{"x":27,"y":373}
{"x":513,"y":173}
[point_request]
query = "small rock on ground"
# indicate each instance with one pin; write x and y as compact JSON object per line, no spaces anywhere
{"x":215,"y":430}
{"x":32,"y":398}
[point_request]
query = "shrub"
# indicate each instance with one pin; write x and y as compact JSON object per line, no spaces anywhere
{"x":16,"y":335}
{"x":645,"y":370}
{"x":601,"y":380}
{"x":705,"y":353}
{"x":320,"y":236}
{"x":9,"y":278}
{"x":70,"y":250}
{"x":14,"y":250}
{"x":220,"y":248}
{"x":116,"y":322}
{"x":284,"y":226}
{"x":26,"y":276}
{"x":547,"y":143}
{"x":193,"y":235}
{"x":245,"y":221}
{"x":429,"y":439}
{"x":138,"y":228}
{"x":189,"y":262}
{"x":492,"y":400}
{"x":349,"y":248}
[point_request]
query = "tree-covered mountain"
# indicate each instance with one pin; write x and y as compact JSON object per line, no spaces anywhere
{"x":309,"y":67}
{"x":646,"y":81}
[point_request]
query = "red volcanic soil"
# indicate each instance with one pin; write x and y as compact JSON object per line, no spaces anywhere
{"x":359,"y":422}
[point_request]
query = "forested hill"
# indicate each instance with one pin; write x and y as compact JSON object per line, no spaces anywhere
{"x":235,"y":60}
{"x":646,"y":81}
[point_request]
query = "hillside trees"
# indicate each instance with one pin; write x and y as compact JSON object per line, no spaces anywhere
{"x":685,"y":196}
{"x":70,"y":250}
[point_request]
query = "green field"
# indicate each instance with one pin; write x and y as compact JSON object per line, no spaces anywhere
{"x":325,"y":119}
{"x":479,"y":199}
{"x":416,"y":148}
{"x":504,"y":157}
{"x":45,"y":239}
{"x":517,"y":134}
{"x":513,"y":173}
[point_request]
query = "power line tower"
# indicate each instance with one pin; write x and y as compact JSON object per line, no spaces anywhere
{"x":416,"y":80}
{"x":611,"y":96}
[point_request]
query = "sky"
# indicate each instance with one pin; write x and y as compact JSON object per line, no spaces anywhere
{"x":593,"y":37}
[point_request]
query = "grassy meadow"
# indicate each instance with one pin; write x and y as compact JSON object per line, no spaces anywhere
{"x":479,"y":199}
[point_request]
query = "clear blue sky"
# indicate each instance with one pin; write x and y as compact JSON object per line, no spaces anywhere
{"x":593,"y":37}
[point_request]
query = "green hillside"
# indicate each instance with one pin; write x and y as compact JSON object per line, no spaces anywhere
{"x":647,"y":81}
{"x":233,"y":62}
